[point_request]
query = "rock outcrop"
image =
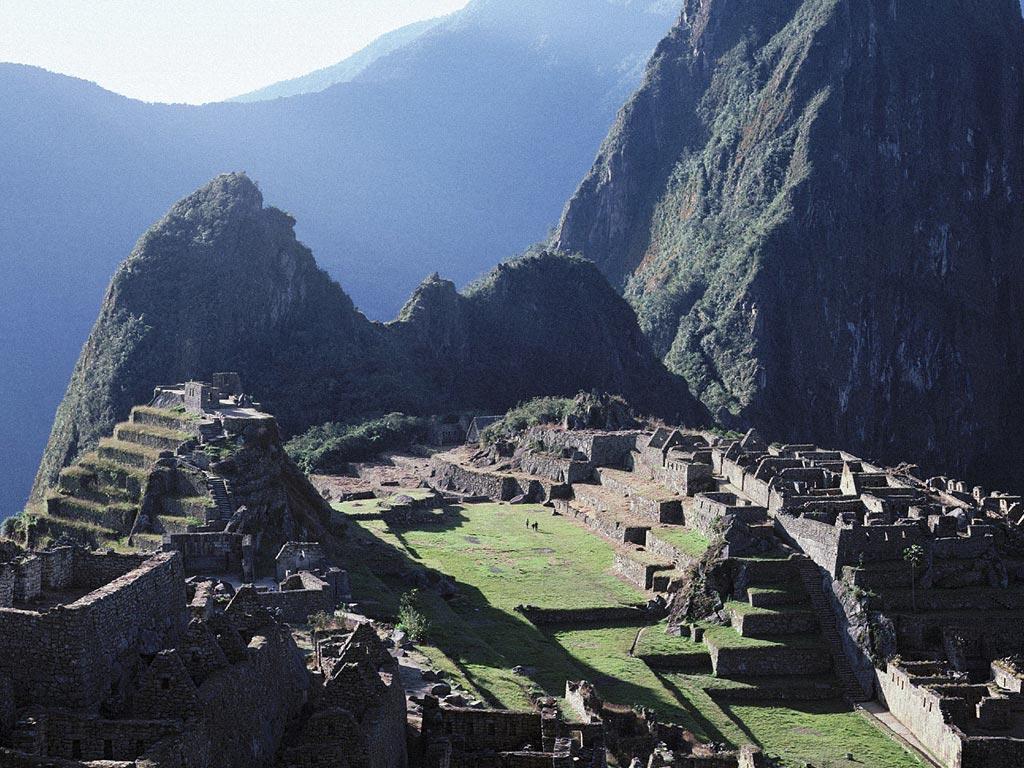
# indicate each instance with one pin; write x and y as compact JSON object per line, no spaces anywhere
{"x":222,"y":283}
{"x":816,"y":208}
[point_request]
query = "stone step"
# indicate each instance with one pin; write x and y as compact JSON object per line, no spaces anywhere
{"x":127,"y":454}
{"x":781,"y":689}
{"x":131,"y":479}
{"x":770,"y":597}
{"x":768,"y":623}
{"x":160,"y":438}
{"x":778,"y":572}
{"x":733,"y":656}
{"x":162,"y":417}
{"x":116,"y":517}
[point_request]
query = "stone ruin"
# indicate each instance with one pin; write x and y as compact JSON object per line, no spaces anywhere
{"x":914,"y":586}
{"x":200,"y":470}
{"x":587,"y":733}
{"x":115,"y":658}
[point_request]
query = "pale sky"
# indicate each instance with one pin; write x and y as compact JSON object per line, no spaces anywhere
{"x":195,"y":51}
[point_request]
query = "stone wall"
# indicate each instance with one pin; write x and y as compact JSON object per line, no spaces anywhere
{"x":94,"y":569}
{"x":60,"y":567}
{"x":555,"y":468}
{"x":74,"y":655}
{"x":297,"y":605}
{"x":638,"y":569}
{"x":6,"y":585}
{"x":602,"y":449}
{"x":645,"y":500}
{"x":710,"y":511}
{"x":6,"y":707}
{"x":68,"y":735}
{"x":921,"y":710}
{"x":686,"y":477}
{"x":246,"y":707}
{"x":298,"y":556}
{"x":984,"y":752}
{"x":28,"y":579}
{"x":481,"y":730}
{"x":451,"y":476}
{"x":604,"y":523}
{"x":209,"y":553}
{"x":816,"y":539}
{"x":768,"y":661}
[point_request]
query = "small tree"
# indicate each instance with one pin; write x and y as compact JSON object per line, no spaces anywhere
{"x":410,"y":618}
{"x":914,"y":555}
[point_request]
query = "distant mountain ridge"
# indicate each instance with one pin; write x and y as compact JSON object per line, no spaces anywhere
{"x":450,"y":154}
{"x":816,"y":208}
{"x":221,"y":282}
{"x":346,"y":70}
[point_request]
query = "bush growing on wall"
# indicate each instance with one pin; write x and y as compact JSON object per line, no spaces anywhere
{"x":327,"y":448}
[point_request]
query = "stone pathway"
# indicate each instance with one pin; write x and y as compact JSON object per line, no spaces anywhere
{"x":888,"y":721}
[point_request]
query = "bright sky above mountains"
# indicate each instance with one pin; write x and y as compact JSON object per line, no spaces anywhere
{"x":196,"y":51}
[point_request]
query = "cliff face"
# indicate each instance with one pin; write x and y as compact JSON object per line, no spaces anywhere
{"x":542,"y":324}
{"x":221,"y":283}
{"x":815,"y":207}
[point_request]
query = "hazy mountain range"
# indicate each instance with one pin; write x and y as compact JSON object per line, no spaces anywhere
{"x":450,"y":153}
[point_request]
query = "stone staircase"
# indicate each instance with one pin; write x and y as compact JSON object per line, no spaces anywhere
{"x":810,"y":574}
{"x":222,"y":499}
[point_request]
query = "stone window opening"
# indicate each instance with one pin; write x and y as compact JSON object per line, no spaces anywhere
{"x":140,"y":748}
{"x":492,"y":729}
{"x":165,"y":683}
{"x":76,"y":748}
{"x":108,"y":749}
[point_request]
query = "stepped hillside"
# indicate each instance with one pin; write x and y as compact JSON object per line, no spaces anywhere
{"x":452,"y":153}
{"x":222,"y":283}
{"x":816,"y":208}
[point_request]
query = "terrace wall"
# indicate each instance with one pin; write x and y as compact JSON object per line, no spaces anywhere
{"x":449,"y":475}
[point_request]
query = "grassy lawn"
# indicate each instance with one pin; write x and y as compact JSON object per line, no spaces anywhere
{"x":656,"y":641}
{"x":478,"y":638}
{"x":686,"y":541}
{"x":360,"y":507}
{"x":489,"y":547}
{"x":820,"y":734}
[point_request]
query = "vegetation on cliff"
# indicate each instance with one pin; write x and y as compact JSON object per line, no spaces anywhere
{"x":814,"y":207}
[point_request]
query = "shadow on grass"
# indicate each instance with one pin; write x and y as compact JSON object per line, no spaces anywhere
{"x":485,"y":643}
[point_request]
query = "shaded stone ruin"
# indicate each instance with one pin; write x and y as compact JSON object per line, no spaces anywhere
{"x":818,"y":567}
{"x":307,"y":583}
{"x":200,"y":461}
{"x":923,"y":578}
{"x":588,"y":732}
{"x":102,"y":658}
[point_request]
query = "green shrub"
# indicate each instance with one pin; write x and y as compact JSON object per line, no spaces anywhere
{"x":541,"y":410}
{"x":411,"y":619}
{"x":327,"y":448}
{"x":321,"y":621}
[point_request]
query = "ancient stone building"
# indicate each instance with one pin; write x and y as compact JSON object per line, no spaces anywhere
{"x":110,"y":657}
